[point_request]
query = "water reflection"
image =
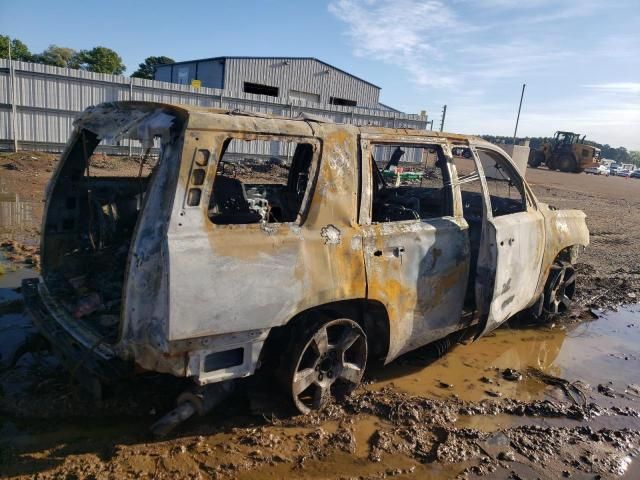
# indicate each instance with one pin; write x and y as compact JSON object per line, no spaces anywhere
{"x":473,"y":371}
{"x":600,"y":351}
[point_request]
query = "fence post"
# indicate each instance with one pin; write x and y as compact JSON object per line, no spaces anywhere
{"x":14,"y":118}
{"x":130,"y":99}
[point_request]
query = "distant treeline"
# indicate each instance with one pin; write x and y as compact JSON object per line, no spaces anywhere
{"x":98,"y":59}
{"x":619,"y":154}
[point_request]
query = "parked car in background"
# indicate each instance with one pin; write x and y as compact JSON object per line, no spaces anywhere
{"x":635,"y":173}
{"x":623,"y":172}
{"x":597,"y":170}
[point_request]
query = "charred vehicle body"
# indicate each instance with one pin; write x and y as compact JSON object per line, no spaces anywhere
{"x":258,"y":240}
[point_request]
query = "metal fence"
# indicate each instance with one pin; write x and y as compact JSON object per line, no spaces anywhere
{"x":38,"y":103}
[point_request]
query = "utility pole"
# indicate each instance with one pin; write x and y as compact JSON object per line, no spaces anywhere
{"x":12,"y":81}
{"x":518,"y":117}
{"x":444,"y":114}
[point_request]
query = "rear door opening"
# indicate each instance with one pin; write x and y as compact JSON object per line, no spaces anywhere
{"x":93,"y":206}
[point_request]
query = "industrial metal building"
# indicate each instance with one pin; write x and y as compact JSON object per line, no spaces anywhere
{"x":38,"y":103}
{"x":287,"y":78}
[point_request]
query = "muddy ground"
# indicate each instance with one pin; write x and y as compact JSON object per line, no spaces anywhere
{"x":561,"y":400}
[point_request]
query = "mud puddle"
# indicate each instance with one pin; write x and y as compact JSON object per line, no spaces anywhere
{"x":14,"y":325}
{"x":601,"y":355}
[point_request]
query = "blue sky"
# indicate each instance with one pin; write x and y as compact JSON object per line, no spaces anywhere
{"x":579,"y":58}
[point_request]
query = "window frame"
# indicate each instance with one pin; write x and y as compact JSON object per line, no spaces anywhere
{"x":314,"y":171}
{"x":515,"y":174}
{"x":367,"y":146}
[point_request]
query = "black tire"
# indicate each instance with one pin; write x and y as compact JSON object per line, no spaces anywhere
{"x":536,"y":159}
{"x":327,"y":358}
{"x":566,"y":163}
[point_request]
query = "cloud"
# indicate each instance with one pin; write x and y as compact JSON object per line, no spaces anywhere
{"x":617,"y":87}
{"x":399,"y":33}
{"x":474,"y":55}
{"x":513,"y":58}
{"x":435,"y":45}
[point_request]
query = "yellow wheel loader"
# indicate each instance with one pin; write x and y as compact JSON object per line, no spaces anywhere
{"x":566,"y":152}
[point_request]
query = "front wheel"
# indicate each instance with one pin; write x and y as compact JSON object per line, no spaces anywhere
{"x":560,"y":288}
{"x":566,"y":163}
{"x":536,"y":159}
{"x":327,"y":361}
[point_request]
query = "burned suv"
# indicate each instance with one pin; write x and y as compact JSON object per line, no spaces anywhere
{"x":305,"y":246}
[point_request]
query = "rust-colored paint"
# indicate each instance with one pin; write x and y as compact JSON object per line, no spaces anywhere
{"x":228,"y":285}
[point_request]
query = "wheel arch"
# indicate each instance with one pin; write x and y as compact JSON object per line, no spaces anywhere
{"x":371,"y":315}
{"x":568,"y":253}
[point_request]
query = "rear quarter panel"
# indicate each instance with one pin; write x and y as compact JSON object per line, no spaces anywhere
{"x":233,"y":278}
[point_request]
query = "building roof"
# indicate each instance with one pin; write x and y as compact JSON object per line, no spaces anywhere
{"x":274,"y":58}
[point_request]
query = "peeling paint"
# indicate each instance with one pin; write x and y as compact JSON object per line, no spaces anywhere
{"x":339,"y":158}
{"x":269,"y":229}
{"x":356,"y":243}
{"x":331,"y":235}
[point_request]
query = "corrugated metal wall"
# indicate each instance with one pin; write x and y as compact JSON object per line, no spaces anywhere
{"x":49,"y":98}
{"x":304,"y":75}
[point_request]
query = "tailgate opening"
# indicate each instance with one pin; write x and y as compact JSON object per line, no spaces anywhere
{"x":94,"y":203}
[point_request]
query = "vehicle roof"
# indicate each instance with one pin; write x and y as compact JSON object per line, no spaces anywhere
{"x":199,"y":116}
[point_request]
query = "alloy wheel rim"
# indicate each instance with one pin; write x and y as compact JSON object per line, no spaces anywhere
{"x":562,"y":289}
{"x":331,"y":364}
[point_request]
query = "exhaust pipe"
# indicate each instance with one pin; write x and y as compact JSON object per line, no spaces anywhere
{"x":200,"y":400}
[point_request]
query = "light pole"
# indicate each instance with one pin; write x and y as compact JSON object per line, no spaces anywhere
{"x":444,"y":114}
{"x":518,"y":117}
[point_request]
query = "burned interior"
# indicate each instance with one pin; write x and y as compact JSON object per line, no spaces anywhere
{"x":411,"y":182}
{"x":92,"y":216}
{"x":260,"y":181}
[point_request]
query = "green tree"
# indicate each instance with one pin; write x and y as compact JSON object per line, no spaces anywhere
{"x":100,"y":60}
{"x":58,"y":57}
{"x":635,"y":157}
{"x":146,"y":69}
{"x":19,"y":51}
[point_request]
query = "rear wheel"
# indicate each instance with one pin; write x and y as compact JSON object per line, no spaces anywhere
{"x":328,"y":361}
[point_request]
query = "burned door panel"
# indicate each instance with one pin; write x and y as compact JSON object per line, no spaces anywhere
{"x":419,"y":271}
{"x":519,"y":241}
{"x":234,"y":277}
{"x":417,"y":268}
{"x":511,"y":248}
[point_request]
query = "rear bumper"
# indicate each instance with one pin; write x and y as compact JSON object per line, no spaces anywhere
{"x":92,"y":362}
